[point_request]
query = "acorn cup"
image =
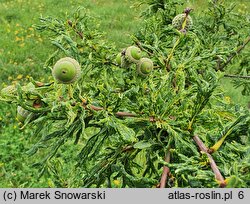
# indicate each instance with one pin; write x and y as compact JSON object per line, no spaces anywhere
{"x":179,"y":20}
{"x":121,"y":59}
{"x":133,"y":54}
{"x":145,"y":66}
{"x":22,"y":114}
{"x":124,"y":62}
{"x":66,"y":70}
{"x":8,"y":93}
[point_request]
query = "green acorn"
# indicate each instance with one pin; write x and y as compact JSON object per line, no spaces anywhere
{"x":179,"y":20}
{"x":66,"y":70}
{"x":118,"y":59}
{"x":22,"y":114}
{"x":8,"y":93}
{"x":144,"y":66}
{"x":133,"y":54}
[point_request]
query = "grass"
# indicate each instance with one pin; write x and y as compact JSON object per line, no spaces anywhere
{"x":22,"y":54}
{"x":235,"y":95}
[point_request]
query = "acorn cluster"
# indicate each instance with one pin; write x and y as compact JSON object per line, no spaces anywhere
{"x":133,"y":55}
{"x":67,"y":70}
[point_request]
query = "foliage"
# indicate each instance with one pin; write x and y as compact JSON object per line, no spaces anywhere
{"x":126,"y":124}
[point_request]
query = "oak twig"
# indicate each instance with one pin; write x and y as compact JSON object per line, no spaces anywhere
{"x":165,"y":172}
{"x":117,"y":114}
{"x":213,"y":165}
{"x":76,"y":31}
{"x":96,"y":108}
{"x":236,"y":76}
{"x":125,"y":114}
{"x":234,"y":54}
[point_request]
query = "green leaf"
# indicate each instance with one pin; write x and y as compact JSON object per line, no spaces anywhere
{"x":127,"y":133}
{"x":142,"y":145}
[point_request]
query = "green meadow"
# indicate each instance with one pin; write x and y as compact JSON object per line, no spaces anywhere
{"x":23,"y":50}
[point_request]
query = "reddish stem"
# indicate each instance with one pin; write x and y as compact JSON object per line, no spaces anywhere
{"x":78,"y":32}
{"x":96,"y":108}
{"x":125,"y":114}
{"x":213,"y":165}
{"x":118,"y":114}
{"x":165,"y":172}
